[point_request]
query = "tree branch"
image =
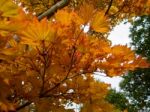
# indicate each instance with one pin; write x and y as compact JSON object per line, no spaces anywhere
{"x":121,"y":8}
{"x":23,"y":106}
{"x":70,"y":67}
{"x":54,"y":8}
{"x":110,"y":4}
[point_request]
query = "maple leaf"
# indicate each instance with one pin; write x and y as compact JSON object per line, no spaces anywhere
{"x":8,"y":8}
{"x":9,"y":26}
{"x":38,"y":31}
{"x":16,"y":22}
{"x":100,"y":23}
{"x":123,"y":51}
{"x":12,"y":49}
{"x":113,"y":10}
{"x":66,"y":17}
{"x":86,"y":12}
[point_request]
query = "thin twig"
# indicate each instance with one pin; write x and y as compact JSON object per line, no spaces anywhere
{"x":121,"y":8}
{"x":22,"y":106}
{"x":70,"y":67}
{"x":110,"y":4}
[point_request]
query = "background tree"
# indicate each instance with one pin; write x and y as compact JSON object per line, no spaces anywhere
{"x":47,"y":60}
{"x":136,"y":84}
{"x":120,"y":101}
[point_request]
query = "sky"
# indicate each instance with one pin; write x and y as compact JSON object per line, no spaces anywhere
{"x":119,"y":35}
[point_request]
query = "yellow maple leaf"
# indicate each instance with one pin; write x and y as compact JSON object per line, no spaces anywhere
{"x":113,"y":10}
{"x":8,"y":8}
{"x":12,"y":48}
{"x":66,"y":18}
{"x":86,"y":12}
{"x":63,"y":17}
{"x":9,"y":26}
{"x":100,"y":23}
{"x":16,"y":23}
{"x":37,"y":31}
{"x":123,"y":50}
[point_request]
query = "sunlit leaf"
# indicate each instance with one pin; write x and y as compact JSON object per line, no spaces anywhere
{"x":37,"y":31}
{"x":67,"y":18}
{"x":100,"y":23}
{"x":8,"y":8}
{"x":86,"y":12}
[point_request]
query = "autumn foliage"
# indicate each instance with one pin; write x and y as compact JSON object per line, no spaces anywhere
{"x":46,"y":63}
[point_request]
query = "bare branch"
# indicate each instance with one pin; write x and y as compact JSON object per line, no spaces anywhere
{"x":54,"y":8}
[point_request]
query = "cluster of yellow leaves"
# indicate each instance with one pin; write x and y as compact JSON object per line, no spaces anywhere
{"x":97,"y":20}
{"x":37,"y":6}
{"x":137,"y":7}
{"x":121,"y":9}
{"x":121,"y":59}
{"x":51,"y":62}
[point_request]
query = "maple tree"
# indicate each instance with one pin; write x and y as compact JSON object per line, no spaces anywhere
{"x":47,"y":60}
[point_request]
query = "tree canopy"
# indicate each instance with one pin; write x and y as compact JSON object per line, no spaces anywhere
{"x":47,"y":60}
